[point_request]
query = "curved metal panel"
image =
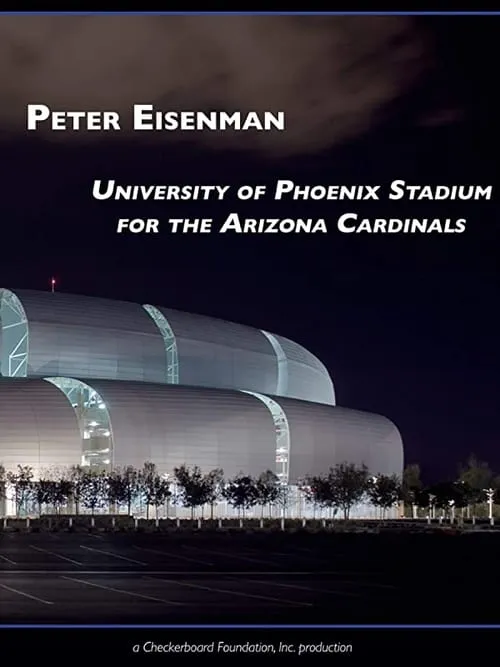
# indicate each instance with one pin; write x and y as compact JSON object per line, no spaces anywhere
{"x":80,"y":336}
{"x":322,"y":436}
{"x":215,"y":353}
{"x":172,"y":425}
{"x":306,"y":378}
{"x":38,"y":427}
{"x":87,"y":337}
{"x":282,"y":383}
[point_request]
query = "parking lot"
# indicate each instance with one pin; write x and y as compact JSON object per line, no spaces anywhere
{"x":139,"y":579}
{"x":144,"y":579}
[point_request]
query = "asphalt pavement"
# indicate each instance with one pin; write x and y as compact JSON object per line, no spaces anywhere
{"x":152,"y":579}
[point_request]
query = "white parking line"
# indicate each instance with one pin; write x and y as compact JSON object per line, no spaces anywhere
{"x":26,"y":595}
{"x":228,"y":555}
{"x":7,"y":560}
{"x":270,"y":553}
{"x":166,"y":553}
{"x":120,"y":590}
{"x":288,"y":554}
{"x":212,"y":589}
{"x":113,"y":555}
{"x":322,"y":591}
{"x":53,"y":553}
{"x":367,"y":584}
{"x":312,"y":554}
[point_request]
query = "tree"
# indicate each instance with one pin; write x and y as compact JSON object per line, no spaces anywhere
{"x":130,"y":486}
{"x":21,"y":482}
{"x":154,"y":488}
{"x":384,"y":491}
{"x":3,"y":479}
{"x":115,"y":490}
{"x":475,"y":477}
{"x":214,"y":484}
{"x":495,"y":485}
{"x":423,"y":500}
{"x":158,"y":492}
{"x":282,"y":498}
{"x":348,"y":484}
{"x":146,"y":484}
{"x":124,"y":487}
{"x":268,"y":489}
{"x":241,"y":493}
{"x":62,"y":490}
{"x":411,"y":487}
{"x":43,"y":492}
{"x":194,"y":491}
{"x":78,"y":477}
{"x":94,"y":490}
{"x":58,"y":488}
{"x":447,"y":496}
{"x":317,"y":491}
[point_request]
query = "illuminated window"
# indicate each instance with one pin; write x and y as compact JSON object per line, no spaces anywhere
{"x":169,"y":341}
{"x":15,"y":339}
{"x":282,"y":435}
{"x":93,"y":420}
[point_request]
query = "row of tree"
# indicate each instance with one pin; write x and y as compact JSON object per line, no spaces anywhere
{"x":347,"y":485}
{"x":474,"y":485}
{"x":339,"y":490}
{"x":128,"y":488}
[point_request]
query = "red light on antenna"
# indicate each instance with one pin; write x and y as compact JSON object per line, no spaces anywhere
{"x":53,"y":281}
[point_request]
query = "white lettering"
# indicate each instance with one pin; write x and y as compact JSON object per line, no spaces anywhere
{"x":145,"y":117}
{"x":400,"y":190}
{"x":187,"y":226}
{"x":71,"y":120}
{"x":233,"y":223}
{"x":349,"y":223}
{"x":110,"y":190}
{"x":328,"y":192}
{"x":138,"y":225}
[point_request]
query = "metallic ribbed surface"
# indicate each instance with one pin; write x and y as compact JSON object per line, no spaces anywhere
{"x":322,"y":436}
{"x":306,"y":378}
{"x":80,"y":336}
{"x":172,"y":425}
{"x":86,"y":337}
{"x":215,"y":353}
{"x":128,"y":356}
{"x":38,"y":427}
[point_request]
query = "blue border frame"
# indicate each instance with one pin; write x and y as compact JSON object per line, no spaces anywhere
{"x":202,"y":626}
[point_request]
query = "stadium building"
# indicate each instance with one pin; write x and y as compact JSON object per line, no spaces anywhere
{"x":109,"y":383}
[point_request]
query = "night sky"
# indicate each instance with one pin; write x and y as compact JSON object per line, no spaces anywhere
{"x":406,"y":324}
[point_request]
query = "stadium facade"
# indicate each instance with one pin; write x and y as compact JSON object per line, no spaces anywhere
{"x":110,"y":383}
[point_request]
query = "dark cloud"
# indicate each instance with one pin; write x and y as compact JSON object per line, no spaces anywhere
{"x":332,"y":75}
